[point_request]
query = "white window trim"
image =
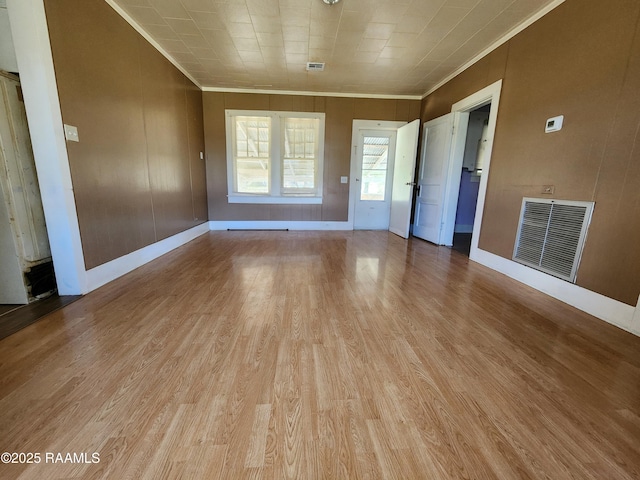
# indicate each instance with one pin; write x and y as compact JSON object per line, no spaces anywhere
{"x":275,"y":197}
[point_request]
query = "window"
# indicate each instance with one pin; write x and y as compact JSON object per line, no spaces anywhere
{"x":274,"y":157}
{"x":375,"y":153}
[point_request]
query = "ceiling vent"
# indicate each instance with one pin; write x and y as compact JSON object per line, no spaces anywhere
{"x":551,"y":235}
{"x":315,"y":66}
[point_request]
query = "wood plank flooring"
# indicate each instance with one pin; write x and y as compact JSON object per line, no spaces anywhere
{"x":312,"y":355}
{"x":16,"y":317}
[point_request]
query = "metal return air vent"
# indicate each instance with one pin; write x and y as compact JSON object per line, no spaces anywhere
{"x":315,"y":66}
{"x":551,"y":235}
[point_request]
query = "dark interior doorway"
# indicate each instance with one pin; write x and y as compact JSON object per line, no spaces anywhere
{"x":470,"y":178}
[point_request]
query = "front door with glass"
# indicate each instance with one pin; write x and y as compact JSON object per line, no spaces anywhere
{"x":376,"y":151}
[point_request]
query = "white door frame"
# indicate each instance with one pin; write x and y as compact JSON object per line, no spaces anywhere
{"x":359,"y":125}
{"x":489,"y":94}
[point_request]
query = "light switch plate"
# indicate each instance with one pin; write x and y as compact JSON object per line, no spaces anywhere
{"x":71,"y":133}
{"x":344,"y":179}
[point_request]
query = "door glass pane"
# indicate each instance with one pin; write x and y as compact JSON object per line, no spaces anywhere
{"x":375,"y":153}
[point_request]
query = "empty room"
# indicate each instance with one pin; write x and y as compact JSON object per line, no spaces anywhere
{"x":317,"y":239}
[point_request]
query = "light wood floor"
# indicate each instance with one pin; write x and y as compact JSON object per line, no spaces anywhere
{"x":316,"y":356}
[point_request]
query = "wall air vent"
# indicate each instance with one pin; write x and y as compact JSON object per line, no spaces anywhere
{"x":551,"y":235}
{"x":315,"y":66}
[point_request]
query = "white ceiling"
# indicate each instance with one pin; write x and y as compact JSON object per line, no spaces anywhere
{"x":383,"y":47}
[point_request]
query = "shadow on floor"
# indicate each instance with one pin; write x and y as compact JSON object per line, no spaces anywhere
{"x":462,"y":242}
{"x":16,"y":317}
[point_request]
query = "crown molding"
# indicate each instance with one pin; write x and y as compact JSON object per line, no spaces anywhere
{"x":312,"y":94}
{"x":505,"y":38}
{"x":136,"y":26}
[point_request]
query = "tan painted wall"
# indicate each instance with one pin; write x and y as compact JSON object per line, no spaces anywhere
{"x":340,"y":113}
{"x":582,"y":60}
{"x":136,"y":172}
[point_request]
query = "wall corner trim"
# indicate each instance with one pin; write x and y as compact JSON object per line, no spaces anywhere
{"x":611,"y":311}
{"x":107,"y":272}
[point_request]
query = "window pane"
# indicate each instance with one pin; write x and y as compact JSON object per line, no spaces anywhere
{"x":252,"y":155}
{"x":299,"y":155}
{"x":375,"y":153}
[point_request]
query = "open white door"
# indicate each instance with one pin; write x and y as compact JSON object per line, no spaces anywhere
{"x":403,"y":175}
{"x":439,"y":177}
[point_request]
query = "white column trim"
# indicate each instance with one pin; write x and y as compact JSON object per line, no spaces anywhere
{"x":40,"y":91}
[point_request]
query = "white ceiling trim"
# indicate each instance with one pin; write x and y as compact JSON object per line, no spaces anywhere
{"x":505,"y":38}
{"x":312,"y":94}
{"x":148,"y":38}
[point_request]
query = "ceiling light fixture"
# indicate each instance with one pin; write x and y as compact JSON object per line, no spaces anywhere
{"x":330,"y":2}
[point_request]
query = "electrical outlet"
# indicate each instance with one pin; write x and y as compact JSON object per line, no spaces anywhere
{"x":548,"y":189}
{"x":71,"y":133}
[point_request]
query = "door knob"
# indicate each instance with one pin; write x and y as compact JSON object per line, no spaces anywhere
{"x":411,"y":183}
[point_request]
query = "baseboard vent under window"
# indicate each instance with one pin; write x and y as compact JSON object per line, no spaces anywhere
{"x":551,"y":235}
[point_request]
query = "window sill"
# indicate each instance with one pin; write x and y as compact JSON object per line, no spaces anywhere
{"x":289,"y":200}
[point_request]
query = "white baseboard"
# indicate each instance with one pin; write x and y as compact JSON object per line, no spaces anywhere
{"x":612,"y":311}
{"x":277,"y":225}
{"x":102,"y":274}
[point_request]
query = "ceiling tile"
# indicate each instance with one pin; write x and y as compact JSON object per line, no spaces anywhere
{"x":170,"y":9}
{"x":296,"y":47}
{"x":145,"y":15}
{"x":411,"y":24}
{"x":250,"y":56}
{"x":236,"y":12}
{"x":247,"y":44}
{"x":208,"y":20}
{"x":263,"y":7}
{"x":266,"y":24}
{"x":295,"y":33}
{"x":174,"y":46}
{"x":388,"y":13}
{"x":298,"y":17}
{"x":194,"y":41}
{"x":123,"y":3}
{"x":182,"y":26}
{"x":270,"y":40}
{"x":199,"y":5}
{"x":372,"y":45}
{"x":369,"y":46}
{"x":204,"y":53}
{"x":402,"y":39}
{"x":366,"y":57}
{"x":161,"y":31}
{"x":379,"y":30}
{"x":241,"y":30}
